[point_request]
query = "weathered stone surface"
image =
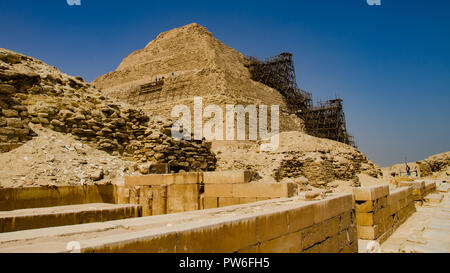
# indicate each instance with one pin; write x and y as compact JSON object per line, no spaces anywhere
{"x":68,"y":105}
{"x":7,"y":89}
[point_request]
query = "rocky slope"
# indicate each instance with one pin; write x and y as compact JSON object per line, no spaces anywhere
{"x":437,"y":165}
{"x":304,"y":159}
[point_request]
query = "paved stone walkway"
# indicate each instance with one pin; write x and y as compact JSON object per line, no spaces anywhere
{"x":426,"y":231}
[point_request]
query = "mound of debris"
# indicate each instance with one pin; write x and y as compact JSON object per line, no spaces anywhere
{"x":304,"y":159}
{"x":434,"y":164}
{"x":34,"y":92}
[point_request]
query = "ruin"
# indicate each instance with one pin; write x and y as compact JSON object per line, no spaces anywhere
{"x":324,"y":120}
{"x":79,"y":165}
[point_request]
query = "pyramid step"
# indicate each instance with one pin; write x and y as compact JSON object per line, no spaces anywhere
{"x":35,"y":218}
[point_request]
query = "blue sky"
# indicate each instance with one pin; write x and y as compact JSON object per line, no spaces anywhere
{"x":390,"y":63}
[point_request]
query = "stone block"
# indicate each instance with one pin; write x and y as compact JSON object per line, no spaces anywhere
{"x":219,"y":190}
{"x":159,"y":201}
{"x":145,"y":200}
{"x":182,"y":197}
{"x":250,"y":249}
{"x":369,"y":232}
{"x":138,"y":242}
{"x":371,"y":219}
{"x":329,"y":208}
{"x":246,"y":200}
{"x":290,"y":243}
{"x":227,"y":177}
{"x":228,"y":201}
{"x":371,"y":205}
{"x":371,"y":193}
{"x":211,"y":202}
{"x":265,"y":190}
{"x":163,"y":179}
{"x":301,"y":217}
{"x":313,"y":235}
{"x":272,"y":225}
{"x":226,"y":237}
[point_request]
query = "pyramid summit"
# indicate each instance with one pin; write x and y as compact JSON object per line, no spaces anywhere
{"x":189,"y":62}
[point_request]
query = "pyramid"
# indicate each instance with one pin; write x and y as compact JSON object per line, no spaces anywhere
{"x":189,"y":62}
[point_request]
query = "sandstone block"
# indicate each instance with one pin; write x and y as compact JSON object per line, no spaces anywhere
{"x":210,"y":202}
{"x":226,"y":237}
{"x":313,"y":235}
{"x":159,"y":202}
{"x":265,"y":190}
{"x":162,"y":179}
{"x":182,"y":198}
{"x":246,"y":200}
{"x":329,"y":208}
{"x":371,"y":205}
{"x":369,"y":232}
{"x":7,"y":89}
{"x":370,"y":193}
{"x":371,"y":219}
{"x":272,"y":225}
{"x":301,"y":217}
{"x":219,"y":190}
{"x":10,"y":113}
{"x":228,"y":201}
{"x":290,"y":243}
{"x":226,"y":177}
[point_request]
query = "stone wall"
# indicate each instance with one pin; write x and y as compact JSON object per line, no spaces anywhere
{"x":40,"y":197}
{"x":288,"y":225}
{"x":419,"y":188}
{"x":320,"y":167}
{"x":172,"y":193}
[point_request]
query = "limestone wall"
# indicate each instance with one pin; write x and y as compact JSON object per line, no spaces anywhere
{"x":379,"y":212}
{"x":40,"y":197}
{"x":281,"y":225}
{"x":172,"y":193}
{"x":419,"y":188}
{"x":324,"y":226}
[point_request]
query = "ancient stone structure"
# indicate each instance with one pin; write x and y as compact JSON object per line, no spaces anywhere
{"x":69,"y":105}
{"x":379,"y":212}
{"x":187,"y":62}
{"x":208,"y":205}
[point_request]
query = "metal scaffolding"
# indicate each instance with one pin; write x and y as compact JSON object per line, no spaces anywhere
{"x":325,"y":119}
{"x":278,"y":72}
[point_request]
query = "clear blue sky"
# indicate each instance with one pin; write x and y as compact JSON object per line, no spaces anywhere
{"x":390,"y":63}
